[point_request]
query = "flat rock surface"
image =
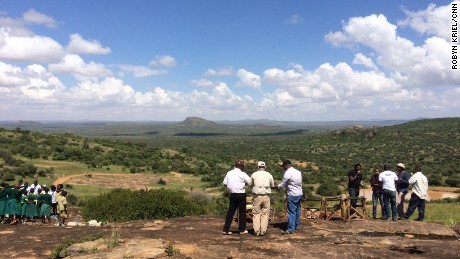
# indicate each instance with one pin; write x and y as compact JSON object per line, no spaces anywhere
{"x":201,"y":237}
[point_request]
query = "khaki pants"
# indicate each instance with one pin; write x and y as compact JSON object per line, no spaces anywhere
{"x":400,"y":200}
{"x":260,"y":211}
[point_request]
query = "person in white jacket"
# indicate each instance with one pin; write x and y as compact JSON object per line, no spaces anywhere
{"x":419,"y":185}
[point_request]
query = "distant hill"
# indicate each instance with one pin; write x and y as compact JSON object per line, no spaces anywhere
{"x":196,"y":121}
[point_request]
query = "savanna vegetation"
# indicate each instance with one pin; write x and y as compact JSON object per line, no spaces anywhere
{"x":207,"y":150}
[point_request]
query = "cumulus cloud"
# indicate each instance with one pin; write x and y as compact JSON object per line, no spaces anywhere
{"x":11,"y":76}
{"x":110,"y":90}
{"x":42,"y":85}
{"x":416,"y":66}
{"x":163,"y":60}
{"x":431,"y":21}
{"x":75,"y":65}
{"x":247,"y":78}
{"x":34,"y":17}
{"x":29,"y":48}
{"x":79,"y":45}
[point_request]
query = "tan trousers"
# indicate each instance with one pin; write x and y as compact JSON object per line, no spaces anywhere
{"x":400,"y":200}
{"x":261,"y":210}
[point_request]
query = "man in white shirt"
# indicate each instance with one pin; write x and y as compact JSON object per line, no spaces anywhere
{"x":389,"y":179}
{"x":235,"y":180}
{"x":292,"y":181}
{"x":34,"y":186}
{"x":262,"y":182}
{"x":419,"y":184}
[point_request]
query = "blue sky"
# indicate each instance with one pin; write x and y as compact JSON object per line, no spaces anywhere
{"x":226,"y":60}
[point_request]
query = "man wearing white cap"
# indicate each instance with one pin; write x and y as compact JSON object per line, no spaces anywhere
{"x":262,"y":182}
{"x":402,"y":187}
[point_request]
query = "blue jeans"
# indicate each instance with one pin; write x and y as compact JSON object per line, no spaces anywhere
{"x":389,"y":198}
{"x":293,"y":211}
{"x":353,"y":192}
{"x":416,"y":202}
{"x":377,"y":197}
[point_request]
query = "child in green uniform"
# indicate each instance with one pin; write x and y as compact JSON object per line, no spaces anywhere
{"x":3,"y":198}
{"x":32,"y":208}
{"x":23,"y":205}
{"x":45,"y":208}
{"x":12,"y":205}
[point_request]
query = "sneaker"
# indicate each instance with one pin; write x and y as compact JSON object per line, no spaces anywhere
{"x":243,"y":232}
{"x":285,"y":232}
{"x":394,"y":219}
{"x":226,"y":233}
{"x":263,"y":234}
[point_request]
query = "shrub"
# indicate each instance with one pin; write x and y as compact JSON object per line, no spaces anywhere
{"x":124,"y":205}
{"x":328,"y":189}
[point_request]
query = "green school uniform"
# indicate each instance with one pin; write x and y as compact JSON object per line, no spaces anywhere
{"x":45,"y":200}
{"x":32,"y":208}
{"x":3,"y":199}
{"x":23,"y":205}
{"x":12,"y":205}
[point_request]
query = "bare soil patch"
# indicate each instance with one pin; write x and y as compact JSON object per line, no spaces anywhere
{"x":118,"y":180}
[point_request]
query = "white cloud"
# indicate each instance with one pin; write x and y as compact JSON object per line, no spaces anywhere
{"x":415,"y":66}
{"x":295,"y":19}
{"x":204,"y":83}
{"x":28,"y":49}
{"x":42,"y":84}
{"x":79,"y":45}
{"x":247,"y":78}
{"x":11,"y":76}
{"x":226,"y":71}
{"x":163,"y":60}
{"x":431,"y":21}
{"x":34,"y":17}
{"x":110,"y":90}
{"x":142,"y":71}
{"x":75,"y":65}
{"x":361,"y":59}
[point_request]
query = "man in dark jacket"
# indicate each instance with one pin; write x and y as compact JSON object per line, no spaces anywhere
{"x":354,"y":182}
{"x":377,"y":193}
{"x":402,"y":187}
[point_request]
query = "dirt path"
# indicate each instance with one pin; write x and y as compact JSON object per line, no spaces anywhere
{"x":67,"y":178}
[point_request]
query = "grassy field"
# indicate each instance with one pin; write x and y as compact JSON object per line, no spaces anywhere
{"x":447,"y":213}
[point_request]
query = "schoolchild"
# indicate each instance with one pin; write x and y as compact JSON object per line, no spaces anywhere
{"x":32,"y":208}
{"x":62,"y":208}
{"x":3,"y":199}
{"x":45,"y":208}
{"x":12,"y":204}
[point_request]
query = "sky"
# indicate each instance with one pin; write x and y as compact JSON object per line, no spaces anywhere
{"x":165,"y":60}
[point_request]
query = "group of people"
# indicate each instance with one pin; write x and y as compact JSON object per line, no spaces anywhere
{"x":262,"y":182}
{"x":389,"y":189}
{"x":22,"y":203}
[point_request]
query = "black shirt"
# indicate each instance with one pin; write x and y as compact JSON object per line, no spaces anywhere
{"x":357,"y":182}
